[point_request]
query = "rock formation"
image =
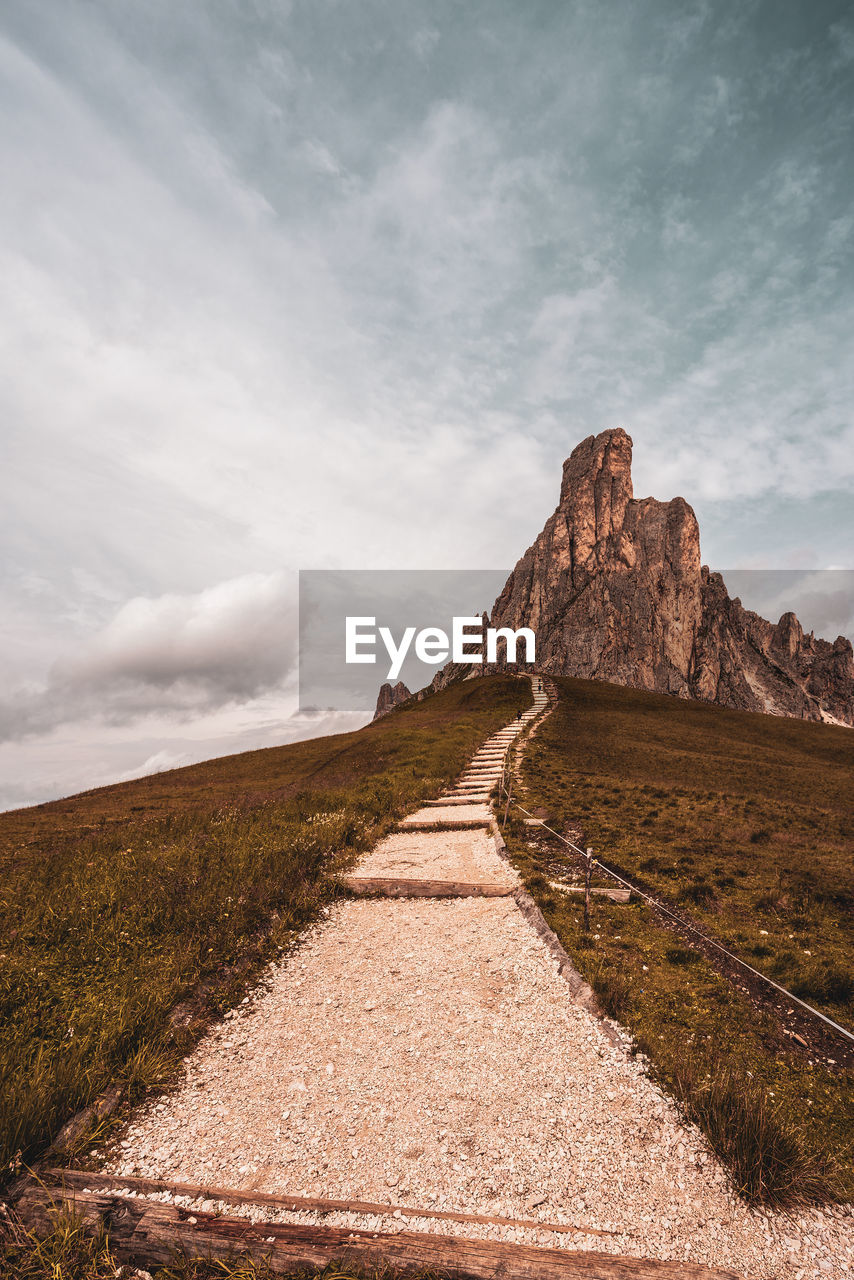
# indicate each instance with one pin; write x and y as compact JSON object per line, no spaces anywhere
{"x":389,"y":697}
{"x":615,"y":590}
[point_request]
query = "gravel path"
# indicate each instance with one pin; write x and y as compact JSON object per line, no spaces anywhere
{"x":427,"y":1053}
{"x":448,"y":815}
{"x":462,"y":856}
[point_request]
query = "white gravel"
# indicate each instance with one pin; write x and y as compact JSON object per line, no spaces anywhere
{"x":438,"y":815}
{"x":421,"y":1052}
{"x":462,"y":856}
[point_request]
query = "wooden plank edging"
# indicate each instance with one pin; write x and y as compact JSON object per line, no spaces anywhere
{"x":394,"y":887}
{"x":441,"y":824}
{"x":455,"y":799}
{"x":81,"y":1180}
{"x":149,"y":1233}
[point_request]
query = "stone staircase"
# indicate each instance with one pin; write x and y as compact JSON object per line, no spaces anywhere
{"x":472,"y":792}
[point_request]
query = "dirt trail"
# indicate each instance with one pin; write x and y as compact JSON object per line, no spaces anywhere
{"x":427,"y":1053}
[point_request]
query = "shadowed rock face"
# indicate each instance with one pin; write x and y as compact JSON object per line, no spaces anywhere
{"x":614,"y":589}
{"x":389,"y":697}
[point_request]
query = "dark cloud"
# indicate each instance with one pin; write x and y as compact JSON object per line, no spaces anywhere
{"x":177,"y":657}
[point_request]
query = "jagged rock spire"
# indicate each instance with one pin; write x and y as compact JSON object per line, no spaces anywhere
{"x":615,"y":590}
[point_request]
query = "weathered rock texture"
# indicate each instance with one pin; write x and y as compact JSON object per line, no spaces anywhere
{"x":615,"y":590}
{"x":389,"y":697}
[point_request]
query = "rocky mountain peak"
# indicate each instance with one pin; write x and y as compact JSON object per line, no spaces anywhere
{"x":597,"y":477}
{"x":788,"y":635}
{"x":389,"y":697}
{"x":615,"y":590}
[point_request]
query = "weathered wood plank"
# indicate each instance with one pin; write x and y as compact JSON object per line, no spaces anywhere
{"x":456,"y":799}
{"x":615,"y":895}
{"x":83,"y":1122}
{"x":148,"y":1233}
{"x":392,"y":887}
{"x":78,"y":1179}
{"x":444,"y":824}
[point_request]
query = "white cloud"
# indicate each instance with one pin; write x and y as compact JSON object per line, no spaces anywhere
{"x":157,"y":763}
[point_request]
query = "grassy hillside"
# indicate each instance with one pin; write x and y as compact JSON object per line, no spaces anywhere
{"x":115,"y":904}
{"x":744,"y":824}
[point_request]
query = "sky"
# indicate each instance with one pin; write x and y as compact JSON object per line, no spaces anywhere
{"x":324,"y":285}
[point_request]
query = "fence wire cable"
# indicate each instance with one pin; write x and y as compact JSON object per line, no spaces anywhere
{"x":686,"y":924}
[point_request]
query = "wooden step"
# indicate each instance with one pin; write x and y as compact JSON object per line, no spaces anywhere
{"x":457,"y":798}
{"x":71,"y":1179}
{"x":148,"y":1233}
{"x":395,"y":887}
{"x":445,"y":824}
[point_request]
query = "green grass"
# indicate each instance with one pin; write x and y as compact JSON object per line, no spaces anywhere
{"x":745,"y":824}
{"x":117,"y":904}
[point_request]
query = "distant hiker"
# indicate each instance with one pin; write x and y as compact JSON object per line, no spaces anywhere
{"x":518,"y":715}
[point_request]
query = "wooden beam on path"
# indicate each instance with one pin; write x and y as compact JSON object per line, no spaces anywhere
{"x":444,"y":824}
{"x":78,"y":1179}
{"x":394,"y":887}
{"x":149,"y":1233}
{"x":455,"y":799}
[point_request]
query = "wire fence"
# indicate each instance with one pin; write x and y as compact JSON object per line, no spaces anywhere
{"x":506,"y":786}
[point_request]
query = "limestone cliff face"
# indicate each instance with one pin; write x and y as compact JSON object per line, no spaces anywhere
{"x":615,"y":590}
{"x":389,"y":697}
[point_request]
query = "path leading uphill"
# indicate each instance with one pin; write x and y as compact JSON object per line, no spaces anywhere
{"x":422,"y":1051}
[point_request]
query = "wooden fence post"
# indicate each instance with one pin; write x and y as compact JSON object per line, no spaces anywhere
{"x":588,"y":867}
{"x":508,"y":767}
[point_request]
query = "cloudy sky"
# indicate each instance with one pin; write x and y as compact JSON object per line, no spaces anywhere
{"x":332,"y":284}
